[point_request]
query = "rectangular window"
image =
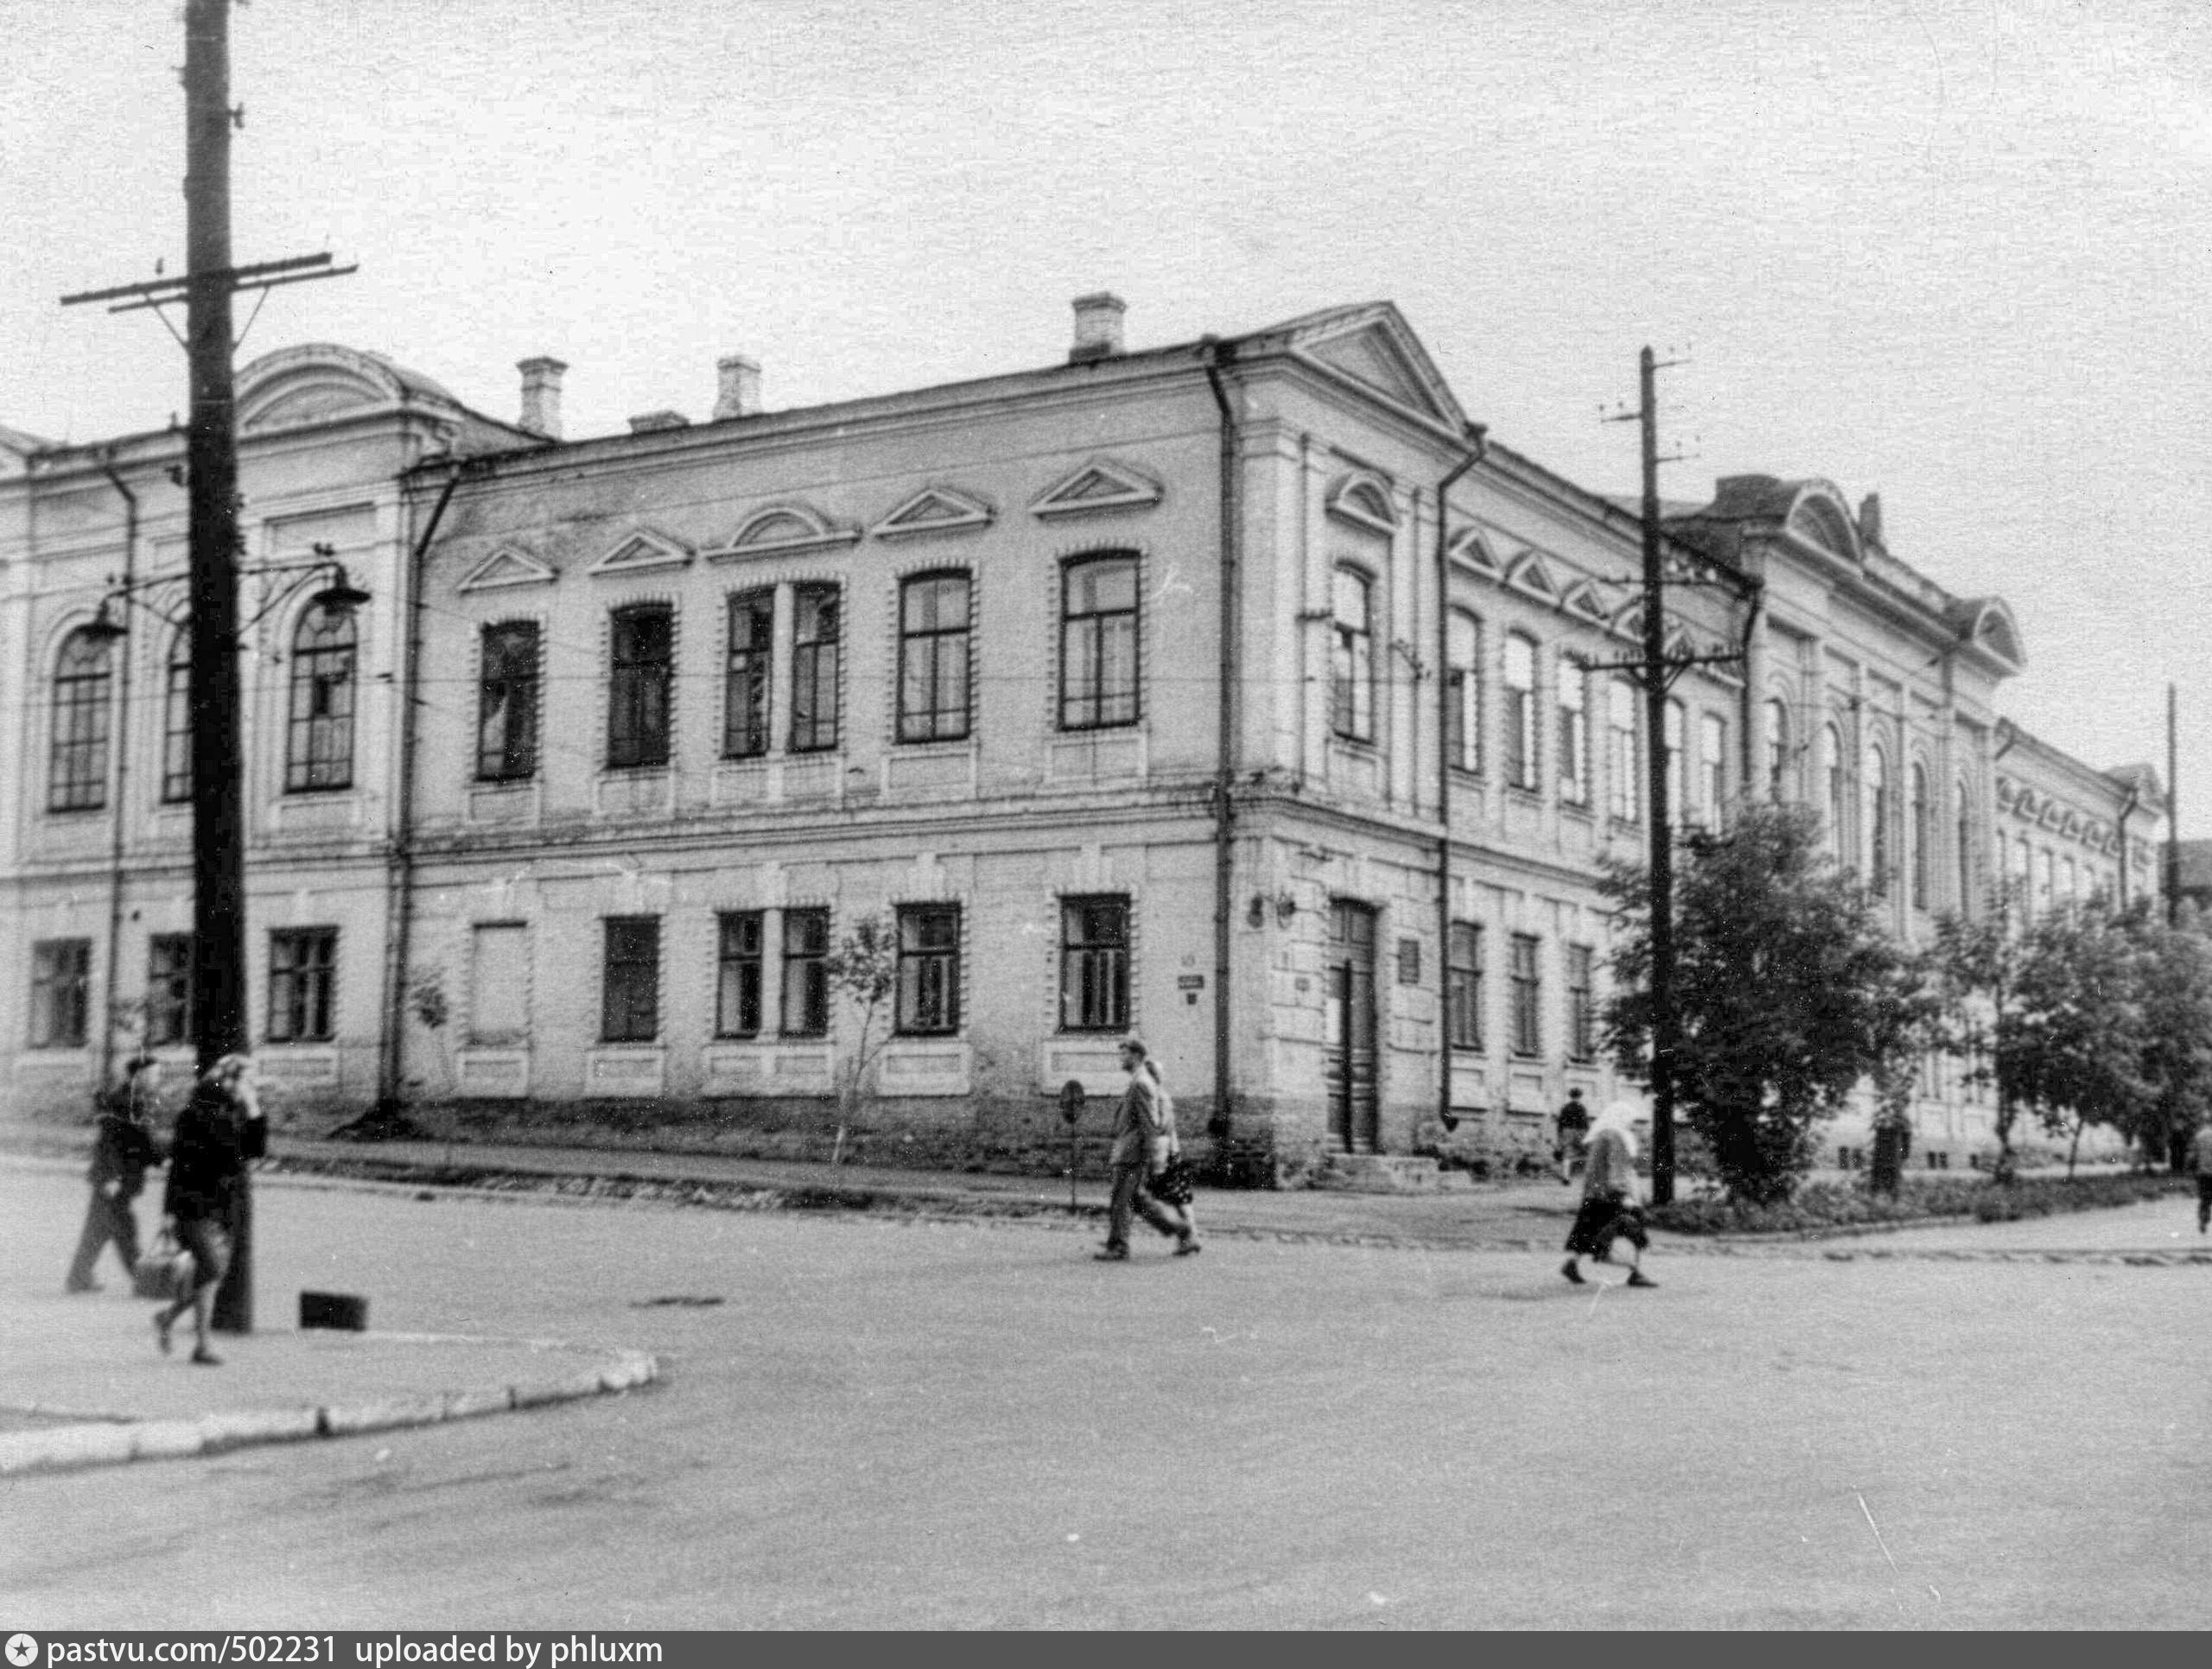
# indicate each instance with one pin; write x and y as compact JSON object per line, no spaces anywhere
{"x":1621,"y":761}
{"x":60,"y":984}
{"x":1582,"y":1003}
{"x":630,"y":985}
{"x":1094,"y":964}
{"x":1463,"y":996}
{"x":506,"y":704}
{"x":814,"y":669}
{"x":1573,"y":733}
{"x":1463,"y":706}
{"x":176,"y":723}
{"x":929,"y":969}
{"x":498,"y":984}
{"x":746,"y":682}
{"x":1528,"y":997}
{"x":1520,"y":716}
{"x":303,"y":984}
{"x":1712,"y":766}
{"x":737,"y":976}
{"x":1351,"y":662}
{"x":806,"y":976}
{"x":933,"y":658}
{"x":168,"y":989}
{"x":1098,"y":644}
{"x":641,"y":670}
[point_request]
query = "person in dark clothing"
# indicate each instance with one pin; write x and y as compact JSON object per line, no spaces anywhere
{"x":123,"y":1152}
{"x":1573,"y":1124}
{"x":220,"y":1131}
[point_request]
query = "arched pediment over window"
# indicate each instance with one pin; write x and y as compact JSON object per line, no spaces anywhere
{"x":1819,"y":517}
{"x":1364,"y":499}
{"x":779,"y":530}
{"x":320,"y":381}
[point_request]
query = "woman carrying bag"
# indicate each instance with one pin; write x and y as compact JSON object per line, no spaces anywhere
{"x":220,"y":1131}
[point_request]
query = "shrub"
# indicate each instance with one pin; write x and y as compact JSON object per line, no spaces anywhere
{"x":1827,"y":1205}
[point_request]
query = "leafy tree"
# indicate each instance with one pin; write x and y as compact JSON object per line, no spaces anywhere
{"x":1786,"y":993}
{"x":864,"y":970}
{"x":1977,"y":962}
{"x":2071,"y":1041}
{"x":2176,"y":971}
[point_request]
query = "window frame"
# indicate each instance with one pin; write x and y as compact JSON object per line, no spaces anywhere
{"x":741,"y":972}
{"x":945,"y":714}
{"x":1582,"y":1003}
{"x":323,"y":678}
{"x":169,"y":990}
{"x":81,"y":719}
{"x":816,"y":666}
{"x":1463,"y":711}
{"x":630,"y":948}
{"x":1574,"y":732}
{"x":1525,"y":979}
{"x":1521,"y":734}
{"x":1094,"y":966}
{"x":1623,"y":752}
{"x":640,"y":688}
{"x":302,"y":990}
{"x":1107,"y":709}
{"x":934,"y":983}
{"x":176,"y":720}
{"x":1880,"y":856}
{"x":1464,"y":987}
{"x":516,"y":693}
{"x":803,"y":978}
{"x":61,"y":994}
{"x":1351,"y":657}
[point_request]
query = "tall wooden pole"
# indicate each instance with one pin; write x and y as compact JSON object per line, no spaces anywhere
{"x":1662,"y":844}
{"x":2173,"y":816}
{"x":217,"y":859}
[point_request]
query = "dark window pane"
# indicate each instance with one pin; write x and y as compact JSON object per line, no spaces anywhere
{"x":319,"y":744}
{"x":642,"y":664}
{"x":631,"y":981}
{"x":806,"y":981}
{"x":77,"y":761}
{"x":745,"y":682}
{"x":506,"y":729}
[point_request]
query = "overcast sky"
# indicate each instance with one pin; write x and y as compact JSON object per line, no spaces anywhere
{"x":1950,"y":251}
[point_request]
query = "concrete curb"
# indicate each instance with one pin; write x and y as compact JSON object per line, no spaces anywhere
{"x":108,"y":1441}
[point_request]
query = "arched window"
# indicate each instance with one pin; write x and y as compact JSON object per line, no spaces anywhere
{"x":1777,"y":748}
{"x":76,"y":777}
{"x":1879,"y":855}
{"x":1463,"y":716}
{"x":1574,"y":732}
{"x":2021,"y":866}
{"x":319,"y":749}
{"x":1832,"y":781}
{"x":1923,"y":835}
{"x":2046,"y":881}
{"x":1621,"y":771}
{"x":1520,"y":712}
{"x":176,"y":723}
{"x":1351,"y":662}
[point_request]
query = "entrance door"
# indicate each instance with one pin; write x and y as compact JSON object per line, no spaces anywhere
{"x":1349,"y":1028}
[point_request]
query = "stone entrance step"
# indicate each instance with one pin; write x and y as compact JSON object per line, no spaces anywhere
{"x":1388,"y":1173}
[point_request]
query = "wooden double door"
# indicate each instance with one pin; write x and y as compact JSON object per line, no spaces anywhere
{"x":1349,"y":1027}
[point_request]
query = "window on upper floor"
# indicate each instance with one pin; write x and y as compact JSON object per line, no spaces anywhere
{"x":929,"y":969}
{"x":1712,"y":767}
{"x":1880,"y":796}
{"x":506,"y":703}
{"x":1098,"y":643}
{"x":1621,"y":759}
{"x":1671,"y":728}
{"x":641,"y":673}
{"x":746,"y":677}
{"x":1351,"y":659}
{"x":1462,"y":704}
{"x":1574,"y":732}
{"x":934,"y":691}
{"x":815,"y":644}
{"x":1518,"y":720}
{"x":1963,"y":811}
{"x":319,"y":740}
{"x":1778,"y":745}
{"x":60,"y":993}
{"x":1923,"y":837}
{"x":1095,"y":964}
{"x":76,"y":775}
{"x":176,"y":723}
{"x":1832,"y":781}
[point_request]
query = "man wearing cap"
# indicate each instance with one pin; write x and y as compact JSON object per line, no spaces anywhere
{"x":1139,"y":1136}
{"x":123,"y":1148}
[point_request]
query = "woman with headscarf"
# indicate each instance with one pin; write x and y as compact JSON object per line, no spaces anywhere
{"x":219,"y":1132}
{"x":1610,"y":1207}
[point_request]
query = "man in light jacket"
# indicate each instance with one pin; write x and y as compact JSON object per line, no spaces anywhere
{"x":1139,"y":1143}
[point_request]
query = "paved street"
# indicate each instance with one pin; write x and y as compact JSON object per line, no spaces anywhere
{"x":892,"y":1421}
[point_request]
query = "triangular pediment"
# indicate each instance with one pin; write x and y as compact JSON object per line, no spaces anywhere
{"x":508,"y":566}
{"x":1471,"y":549}
{"x":935,"y":510}
{"x":1101,"y":485}
{"x":1629,"y":622}
{"x":1528,"y":574}
{"x":780,"y":529}
{"x":1382,"y":357}
{"x":1582,"y":601}
{"x":640,"y":552}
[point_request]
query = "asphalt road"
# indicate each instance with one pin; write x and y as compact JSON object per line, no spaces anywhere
{"x":915,"y":1424}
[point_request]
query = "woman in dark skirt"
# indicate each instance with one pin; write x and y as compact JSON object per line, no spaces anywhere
{"x":220,"y":1131}
{"x":1610,"y":1210}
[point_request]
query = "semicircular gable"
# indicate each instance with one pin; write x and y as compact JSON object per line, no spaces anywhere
{"x":1821,"y":517}
{"x":790,"y":526}
{"x":311,"y":382}
{"x":1995,"y":629}
{"x":1364,"y":499}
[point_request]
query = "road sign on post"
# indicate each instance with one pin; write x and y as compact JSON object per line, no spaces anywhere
{"x":1072,"y":1110}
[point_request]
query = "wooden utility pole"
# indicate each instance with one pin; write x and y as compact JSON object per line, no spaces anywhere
{"x":218,"y":903}
{"x":2173,"y":864}
{"x":1655,"y":682}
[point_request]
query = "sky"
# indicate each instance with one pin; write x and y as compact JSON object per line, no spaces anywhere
{"x":1948,"y":252}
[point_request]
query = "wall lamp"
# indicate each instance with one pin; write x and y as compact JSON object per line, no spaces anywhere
{"x":1284,"y":906}
{"x":341,"y":595}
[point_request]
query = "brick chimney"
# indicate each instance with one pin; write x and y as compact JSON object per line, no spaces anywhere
{"x":541,"y":395}
{"x":651,"y":423}
{"x":1098,"y":327}
{"x":1870,"y":519}
{"x":737,"y":388}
